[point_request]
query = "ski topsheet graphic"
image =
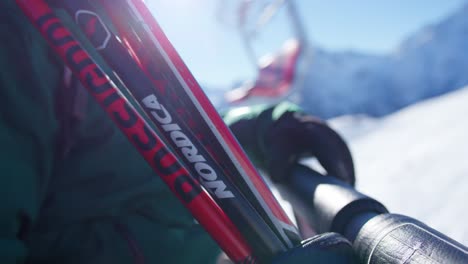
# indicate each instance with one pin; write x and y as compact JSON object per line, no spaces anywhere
{"x":139,"y":133}
{"x":191,"y":144}
{"x":153,"y":49}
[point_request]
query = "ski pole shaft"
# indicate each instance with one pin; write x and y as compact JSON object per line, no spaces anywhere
{"x":151,"y":47}
{"x":139,"y":133}
{"x":377,"y":235}
{"x":263,"y":241}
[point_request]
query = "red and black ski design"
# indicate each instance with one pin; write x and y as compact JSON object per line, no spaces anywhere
{"x":138,"y":131}
{"x":154,"y":51}
{"x":203,"y":149}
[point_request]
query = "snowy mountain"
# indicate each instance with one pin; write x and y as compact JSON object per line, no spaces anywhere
{"x":429,"y":63}
{"x":414,"y":161}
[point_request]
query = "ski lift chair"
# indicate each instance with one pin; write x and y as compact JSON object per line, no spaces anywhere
{"x":275,"y":76}
{"x":279,"y":74}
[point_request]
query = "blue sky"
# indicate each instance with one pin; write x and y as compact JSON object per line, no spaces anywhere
{"x":215,"y":55}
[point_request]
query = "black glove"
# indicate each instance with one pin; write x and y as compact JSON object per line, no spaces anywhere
{"x":295,"y":135}
{"x":278,"y":136}
{"x":325,"y":248}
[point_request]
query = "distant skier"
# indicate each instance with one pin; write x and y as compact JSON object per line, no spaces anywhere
{"x":73,"y":190}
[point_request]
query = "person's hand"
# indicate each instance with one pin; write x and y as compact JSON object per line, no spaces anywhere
{"x":295,"y":135}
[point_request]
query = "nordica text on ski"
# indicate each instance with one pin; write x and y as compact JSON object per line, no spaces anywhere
{"x":205,"y":172}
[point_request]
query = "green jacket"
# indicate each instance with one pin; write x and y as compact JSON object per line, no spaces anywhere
{"x":95,"y":201}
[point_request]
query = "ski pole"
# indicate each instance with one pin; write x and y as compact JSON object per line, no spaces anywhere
{"x":377,"y":235}
{"x":152,"y":49}
{"x":140,"y":134}
{"x":263,"y":241}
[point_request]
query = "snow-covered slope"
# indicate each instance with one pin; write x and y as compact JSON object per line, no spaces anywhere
{"x":416,"y":160}
{"x":429,"y":63}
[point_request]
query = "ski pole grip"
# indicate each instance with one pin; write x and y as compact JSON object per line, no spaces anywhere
{"x":392,"y":238}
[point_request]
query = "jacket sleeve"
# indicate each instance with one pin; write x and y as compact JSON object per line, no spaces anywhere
{"x":26,"y":131}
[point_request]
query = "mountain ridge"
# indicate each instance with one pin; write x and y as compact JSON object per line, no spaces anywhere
{"x":428,"y":63}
